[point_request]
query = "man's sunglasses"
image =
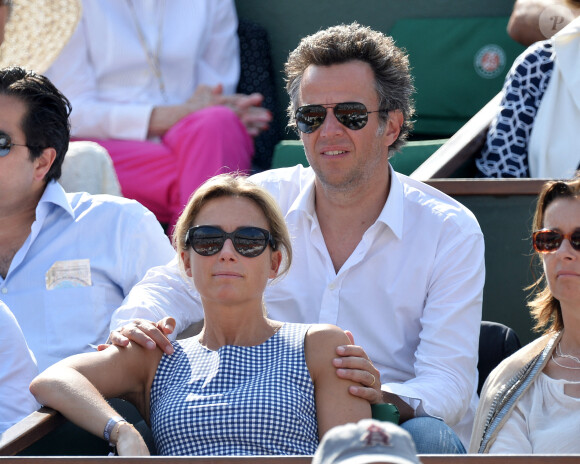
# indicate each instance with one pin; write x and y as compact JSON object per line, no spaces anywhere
{"x":6,"y":144}
{"x":548,"y":241}
{"x":248,"y":241}
{"x":352,"y":115}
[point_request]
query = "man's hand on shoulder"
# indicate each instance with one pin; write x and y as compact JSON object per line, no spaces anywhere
{"x":354,"y":364}
{"x":145,"y":333}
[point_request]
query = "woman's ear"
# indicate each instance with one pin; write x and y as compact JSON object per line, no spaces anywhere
{"x":275,"y":262}
{"x":186,"y":260}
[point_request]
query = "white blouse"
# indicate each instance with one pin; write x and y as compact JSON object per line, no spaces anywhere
{"x":544,"y":421}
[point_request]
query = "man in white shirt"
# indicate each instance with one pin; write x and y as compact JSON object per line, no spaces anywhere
{"x":67,"y":260}
{"x":394,"y":261}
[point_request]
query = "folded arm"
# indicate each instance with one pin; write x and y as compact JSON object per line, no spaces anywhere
{"x":77,"y":387}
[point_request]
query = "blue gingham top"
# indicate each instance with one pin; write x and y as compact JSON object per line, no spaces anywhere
{"x":238,"y":400}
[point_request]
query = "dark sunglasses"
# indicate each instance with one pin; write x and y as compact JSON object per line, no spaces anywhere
{"x":6,"y":144}
{"x":248,"y":241}
{"x":352,"y":115}
{"x":548,"y":241}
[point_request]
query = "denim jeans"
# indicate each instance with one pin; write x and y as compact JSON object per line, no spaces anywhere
{"x":433,"y":436}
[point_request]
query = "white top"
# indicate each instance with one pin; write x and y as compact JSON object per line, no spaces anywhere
{"x":104,"y":69}
{"x":411,"y":292}
{"x":83,"y":255}
{"x":544,"y":421}
{"x":17,"y":369}
{"x":554,"y":141}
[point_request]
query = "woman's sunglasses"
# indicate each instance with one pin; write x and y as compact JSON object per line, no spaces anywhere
{"x":6,"y":144}
{"x":248,"y":241}
{"x":548,"y":241}
{"x":352,"y":115}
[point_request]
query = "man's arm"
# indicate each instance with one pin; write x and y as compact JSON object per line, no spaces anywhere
{"x":163,"y":292}
{"x":446,"y":357}
{"x":533,"y":20}
{"x":354,"y":364}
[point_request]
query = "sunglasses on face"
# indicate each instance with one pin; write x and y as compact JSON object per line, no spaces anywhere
{"x":6,"y":144}
{"x":352,"y":115}
{"x":248,"y":241}
{"x":548,"y":241}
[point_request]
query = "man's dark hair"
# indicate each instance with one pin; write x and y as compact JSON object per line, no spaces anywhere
{"x":46,"y":121}
{"x":345,"y":43}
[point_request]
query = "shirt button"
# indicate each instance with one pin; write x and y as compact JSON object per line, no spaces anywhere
{"x":332,"y":286}
{"x":4,"y":290}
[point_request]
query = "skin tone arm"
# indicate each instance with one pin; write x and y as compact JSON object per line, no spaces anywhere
{"x":351,"y":364}
{"x":247,"y":107}
{"x":334,"y":404}
{"x":78,"y":386}
{"x":354,"y":364}
{"x":524,"y":22}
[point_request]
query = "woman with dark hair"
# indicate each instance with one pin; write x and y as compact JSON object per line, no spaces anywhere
{"x":247,"y":384}
{"x":531,"y":402}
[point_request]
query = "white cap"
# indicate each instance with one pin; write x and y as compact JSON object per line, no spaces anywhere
{"x":369,"y":441}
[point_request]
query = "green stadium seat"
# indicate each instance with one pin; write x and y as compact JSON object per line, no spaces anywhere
{"x":459,"y":64}
{"x":412,"y":155}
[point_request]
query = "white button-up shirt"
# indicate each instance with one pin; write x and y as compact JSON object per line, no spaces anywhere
{"x":105,"y":73}
{"x":411,"y":292}
{"x":83,"y":255}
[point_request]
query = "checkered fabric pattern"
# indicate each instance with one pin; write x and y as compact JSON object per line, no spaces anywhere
{"x":238,"y":400}
{"x":505,"y":153}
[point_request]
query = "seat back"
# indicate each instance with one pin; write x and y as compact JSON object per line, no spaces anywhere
{"x":496,"y":342}
{"x":411,"y":156}
{"x":458,"y":64}
{"x":257,"y":75}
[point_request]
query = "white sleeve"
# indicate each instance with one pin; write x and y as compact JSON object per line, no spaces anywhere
{"x":221,"y":56}
{"x":163,"y":292}
{"x":17,"y":369}
{"x":74,"y":74}
{"x":145,"y":245}
{"x":446,"y":357}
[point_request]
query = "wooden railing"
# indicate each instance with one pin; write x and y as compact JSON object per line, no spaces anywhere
{"x":43,"y":421}
{"x":29,"y":430}
{"x":461,"y":147}
{"x":425,"y":459}
{"x":500,"y":187}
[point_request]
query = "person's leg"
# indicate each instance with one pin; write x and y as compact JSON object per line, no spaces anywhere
{"x":206,"y":143}
{"x":433,"y":436}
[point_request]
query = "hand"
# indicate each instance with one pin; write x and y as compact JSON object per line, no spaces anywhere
{"x":145,"y":333}
{"x":205,"y":96}
{"x":355,"y":365}
{"x":255,"y":118}
{"x":130,"y":442}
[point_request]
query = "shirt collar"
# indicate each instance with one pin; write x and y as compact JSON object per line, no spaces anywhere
{"x":53,"y":194}
{"x":391,"y":214}
{"x":304,"y":201}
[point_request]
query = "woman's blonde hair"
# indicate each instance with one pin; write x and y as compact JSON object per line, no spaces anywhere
{"x":544,"y":307}
{"x":237,"y":186}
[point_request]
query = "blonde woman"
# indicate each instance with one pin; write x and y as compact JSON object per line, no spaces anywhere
{"x":246,"y":385}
